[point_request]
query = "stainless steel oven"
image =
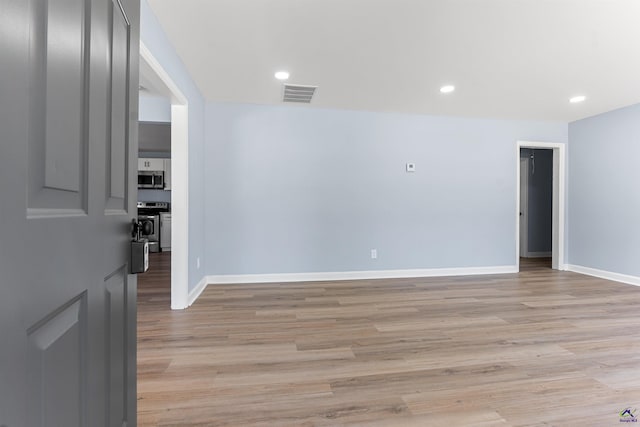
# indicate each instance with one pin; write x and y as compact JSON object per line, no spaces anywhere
{"x":149,"y":212}
{"x":153,"y":234}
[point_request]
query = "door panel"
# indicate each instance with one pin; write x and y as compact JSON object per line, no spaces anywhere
{"x":57,"y":361}
{"x":524,"y":206}
{"x":119,"y":99}
{"x":64,"y":95}
{"x":69,"y":134}
{"x":58,"y":115}
{"x":116,"y":312}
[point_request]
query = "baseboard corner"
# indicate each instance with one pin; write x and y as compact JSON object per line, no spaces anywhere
{"x":603,"y":274}
{"x":195,"y":292}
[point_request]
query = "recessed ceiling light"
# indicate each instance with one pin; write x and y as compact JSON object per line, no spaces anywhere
{"x":447,"y":89}
{"x":282,"y":75}
{"x":577,"y":99}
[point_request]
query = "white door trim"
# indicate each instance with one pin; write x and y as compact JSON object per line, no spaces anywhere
{"x":179,"y":184}
{"x":559,"y":200}
{"x":524,"y":207}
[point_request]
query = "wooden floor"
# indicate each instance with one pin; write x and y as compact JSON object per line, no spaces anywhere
{"x":537,"y":348}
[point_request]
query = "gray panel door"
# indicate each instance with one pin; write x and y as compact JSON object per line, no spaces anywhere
{"x":68,"y":132}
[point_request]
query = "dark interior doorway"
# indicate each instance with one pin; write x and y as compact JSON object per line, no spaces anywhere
{"x":536,"y":207}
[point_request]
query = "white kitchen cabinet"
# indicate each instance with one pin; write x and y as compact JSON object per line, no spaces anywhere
{"x":167,"y":174}
{"x":146,"y":164}
{"x":165,"y":231}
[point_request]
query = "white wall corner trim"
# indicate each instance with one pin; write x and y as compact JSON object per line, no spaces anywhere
{"x":609,"y":275}
{"x":359,"y":275}
{"x":180,"y":183}
{"x":195,"y":292}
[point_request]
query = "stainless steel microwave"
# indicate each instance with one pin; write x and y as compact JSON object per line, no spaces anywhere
{"x":151,"y":179}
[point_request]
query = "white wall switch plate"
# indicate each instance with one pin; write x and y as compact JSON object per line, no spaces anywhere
{"x":411,"y":167}
{"x":374,"y":253}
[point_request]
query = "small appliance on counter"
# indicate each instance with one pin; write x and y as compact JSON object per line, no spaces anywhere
{"x":149,"y":212}
{"x":139,"y":248}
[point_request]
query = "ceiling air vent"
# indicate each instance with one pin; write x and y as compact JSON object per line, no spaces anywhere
{"x":298,"y":93}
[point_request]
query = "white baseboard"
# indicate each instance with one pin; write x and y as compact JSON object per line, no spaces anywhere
{"x":538,"y":255}
{"x":616,"y":277}
{"x":195,"y":292}
{"x":358,"y":275}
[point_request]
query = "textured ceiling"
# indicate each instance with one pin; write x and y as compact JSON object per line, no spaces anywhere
{"x":519,"y":59}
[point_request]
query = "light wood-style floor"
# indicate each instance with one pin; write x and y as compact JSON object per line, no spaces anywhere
{"x":537,"y":348}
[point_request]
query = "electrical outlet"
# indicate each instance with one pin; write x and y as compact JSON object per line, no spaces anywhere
{"x":411,"y":167}
{"x":198,"y":263}
{"x":374,"y":253}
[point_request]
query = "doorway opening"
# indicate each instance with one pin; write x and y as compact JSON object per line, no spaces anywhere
{"x":536,"y":197}
{"x":156,"y":76}
{"x":540,"y":204}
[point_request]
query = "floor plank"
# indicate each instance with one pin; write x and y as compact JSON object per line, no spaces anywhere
{"x":541,"y":347}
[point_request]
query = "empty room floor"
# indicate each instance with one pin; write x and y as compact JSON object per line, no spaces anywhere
{"x":541,"y":347}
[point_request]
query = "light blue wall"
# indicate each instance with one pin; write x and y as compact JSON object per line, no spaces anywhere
{"x":604,"y":192}
{"x":154,"y":109}
{"x":292,"y":190}
{"x":156,"y":41}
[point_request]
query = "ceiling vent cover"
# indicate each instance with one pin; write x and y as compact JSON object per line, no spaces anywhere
{"x":298,"y":93}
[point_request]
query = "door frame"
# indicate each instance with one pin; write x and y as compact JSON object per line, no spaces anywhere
{"x":179,"y":183}
{"x":524,"y":206}
{"x":558,"y":202}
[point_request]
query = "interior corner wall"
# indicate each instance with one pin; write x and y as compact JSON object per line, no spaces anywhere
{"x":305,"y":190}
{"x":604,"y":196}
{"x":154,"y":38}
